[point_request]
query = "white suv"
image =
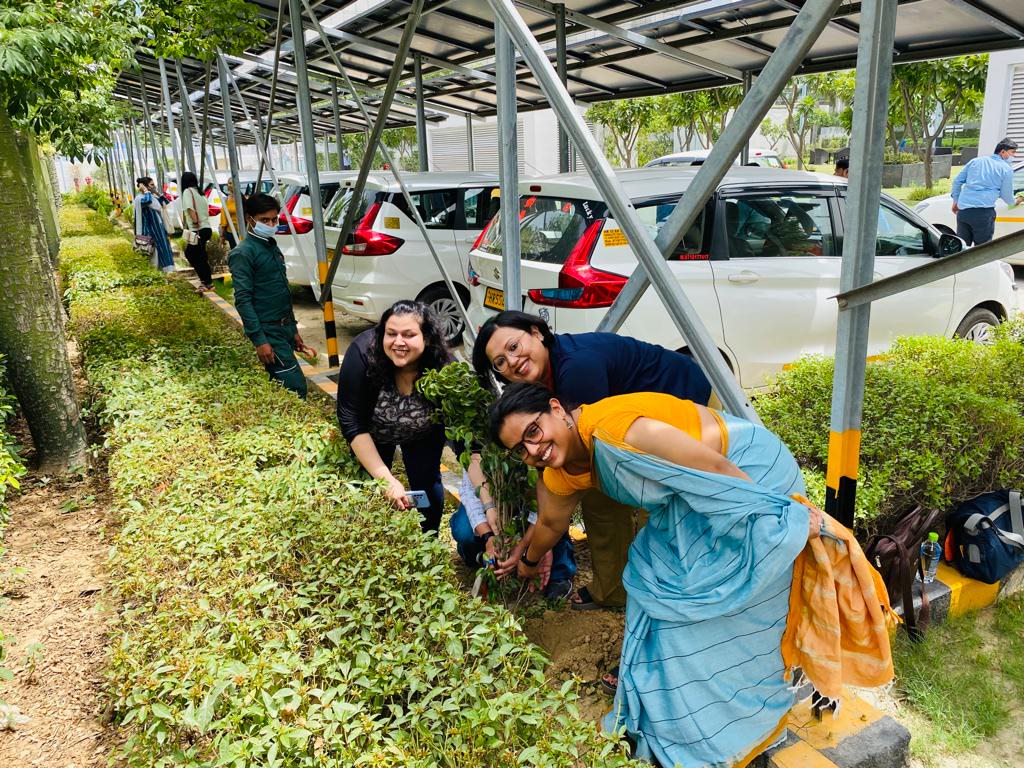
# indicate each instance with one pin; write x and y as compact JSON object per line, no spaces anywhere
{"x":386,"y":257}
{"x":760,"y":266}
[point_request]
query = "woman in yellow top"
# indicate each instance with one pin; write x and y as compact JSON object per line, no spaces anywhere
{"x":228,"y":208}
{"x":702,"y":675}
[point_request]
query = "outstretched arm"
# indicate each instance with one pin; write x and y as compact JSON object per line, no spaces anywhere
{"x":666,"y":442}
{"x":554,"y":513}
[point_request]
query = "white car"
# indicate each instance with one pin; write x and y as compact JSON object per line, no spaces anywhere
{"x":760,"y":265}
{"x":765,"y":158}
{"x":386,"y":257}
{"x":300,"y":251}
{"x":938,"y":210}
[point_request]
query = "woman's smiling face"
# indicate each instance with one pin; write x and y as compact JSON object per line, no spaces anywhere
{"x":539,"y":439}
{"x":403,"y":340}
{"x":518,"y":355}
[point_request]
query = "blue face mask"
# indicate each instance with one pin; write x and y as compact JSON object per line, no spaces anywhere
{"x":262,"y":231}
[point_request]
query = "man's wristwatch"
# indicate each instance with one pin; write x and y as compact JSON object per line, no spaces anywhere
{"x":527,"y":561}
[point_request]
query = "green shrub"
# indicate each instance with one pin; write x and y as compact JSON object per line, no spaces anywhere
{"x":917,"y":194}
{"x":94,"y":197}
{"x":275,"y":610}
{"x":942,"y":422}
{"x":76,"y":221}
{"x":11,"y":467}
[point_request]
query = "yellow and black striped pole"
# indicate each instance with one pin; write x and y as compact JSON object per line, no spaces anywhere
{"x":330,"y":329}
{"x":870,"y":110}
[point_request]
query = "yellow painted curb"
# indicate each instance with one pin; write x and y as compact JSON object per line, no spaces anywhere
{"x":855,"y":715}
{"x":801,"y":755}
{"x":966,"y":595}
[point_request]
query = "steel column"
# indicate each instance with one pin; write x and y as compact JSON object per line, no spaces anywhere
{"x":137,"y":144}
{"x":411,"y":21}
{"x":129,"y":151}
{"x":468,"y":329}
{"x":563,"y":76}
{"x":508,"y":166}
{"x":232,"y":149}
{"x":867,"y":146}
{"x":745,"y":152}
{"x":421,"y":117}
{"x":313,"y":174}
{"x":804,"y":29}
{"x":187,"y":147}
{"x":802,"y":34}
{"x":339,"y":144}
{"x":159,"y":159}
{"x":165,"y":88}
{"x":471,"y":165}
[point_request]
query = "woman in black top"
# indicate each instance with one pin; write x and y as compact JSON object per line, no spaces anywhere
{"x":379,"y":407}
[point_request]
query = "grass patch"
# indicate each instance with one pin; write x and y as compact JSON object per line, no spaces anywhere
{"x":959,"y":679}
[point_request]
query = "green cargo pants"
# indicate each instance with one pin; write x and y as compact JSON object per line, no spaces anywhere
{"x":285,"y":368}
{"x":611,"y":527}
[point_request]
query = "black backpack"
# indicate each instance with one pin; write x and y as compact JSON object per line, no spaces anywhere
{"x":897,"y":557}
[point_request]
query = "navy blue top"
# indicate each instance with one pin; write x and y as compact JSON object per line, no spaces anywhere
{"x":587,"y":367}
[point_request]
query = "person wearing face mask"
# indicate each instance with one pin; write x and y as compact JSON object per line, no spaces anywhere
{"x":976,"y":189}
{"x":262,"y":296}
{"x":379,"y":408}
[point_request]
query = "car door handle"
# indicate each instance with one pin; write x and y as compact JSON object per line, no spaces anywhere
{"x":746,"y":276}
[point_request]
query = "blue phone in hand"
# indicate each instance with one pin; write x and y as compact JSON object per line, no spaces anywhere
{"x":418,"y":498}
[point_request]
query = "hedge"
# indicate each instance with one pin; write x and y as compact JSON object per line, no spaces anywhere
{"x":274,"y":610}
{"x":943,"y":421}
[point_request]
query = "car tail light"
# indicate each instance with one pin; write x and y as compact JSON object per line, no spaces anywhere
{"x":368,"y":242}
{"x":581,"y":286}
{"x":482,"y":235}
{"x":214,"y":210}
{"x":282,"y":221}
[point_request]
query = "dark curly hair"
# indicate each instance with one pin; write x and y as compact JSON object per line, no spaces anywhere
{"x":510,"y":318}
{"x":435,"y":351}
{"x":520,"y":397}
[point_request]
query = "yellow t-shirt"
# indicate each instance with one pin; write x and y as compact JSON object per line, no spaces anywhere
{"x":613,"y":416}
{"x":227,"y":208}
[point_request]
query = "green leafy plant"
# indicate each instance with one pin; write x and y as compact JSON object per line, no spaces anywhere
{"x":273,"y":609}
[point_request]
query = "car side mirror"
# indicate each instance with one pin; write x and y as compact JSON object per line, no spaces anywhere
{"x":950,"y":244}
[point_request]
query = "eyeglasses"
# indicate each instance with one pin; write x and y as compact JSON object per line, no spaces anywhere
{"x":532,"y":435}
{"x":513,"y":349}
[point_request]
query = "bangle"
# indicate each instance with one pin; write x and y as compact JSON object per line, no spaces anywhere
{"x":487,"y":536}
{"x":527,"y":561}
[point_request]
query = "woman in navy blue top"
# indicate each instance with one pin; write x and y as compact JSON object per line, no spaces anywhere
{"x":580,"y":369}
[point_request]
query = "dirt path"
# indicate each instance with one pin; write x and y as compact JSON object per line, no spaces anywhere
{"x":52,"y":613}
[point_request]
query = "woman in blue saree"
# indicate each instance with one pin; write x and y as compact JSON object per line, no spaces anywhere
{"x":149,"y":222}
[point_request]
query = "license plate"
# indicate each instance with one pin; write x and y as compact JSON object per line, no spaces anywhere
{"x":494,"y":298}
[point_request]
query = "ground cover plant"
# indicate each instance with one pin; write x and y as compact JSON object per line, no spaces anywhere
{"x":275,"y":611}
{"x":943,"y":421}
{"x":11,"y":468}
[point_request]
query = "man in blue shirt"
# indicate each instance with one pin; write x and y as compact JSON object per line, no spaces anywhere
{"x":976,"y":188}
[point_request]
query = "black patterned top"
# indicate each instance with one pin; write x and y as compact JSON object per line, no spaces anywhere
{"x":397,"y":418}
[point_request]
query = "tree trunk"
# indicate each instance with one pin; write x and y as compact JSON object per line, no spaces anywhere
{"x":51,"y":170}
{"x":31,"y":327}
{"x":45,"y":206}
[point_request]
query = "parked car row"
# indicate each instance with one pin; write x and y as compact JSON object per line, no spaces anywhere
{"x":760,"y":265}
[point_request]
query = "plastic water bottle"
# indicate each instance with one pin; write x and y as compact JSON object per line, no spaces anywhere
{"x":931,"y":553}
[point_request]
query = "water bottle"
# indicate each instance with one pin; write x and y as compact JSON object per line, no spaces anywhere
{"x":931,"y":553}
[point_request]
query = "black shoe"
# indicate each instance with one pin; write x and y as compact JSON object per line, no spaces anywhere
{"x":558,"y":590}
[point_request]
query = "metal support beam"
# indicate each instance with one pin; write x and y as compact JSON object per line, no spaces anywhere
{"x":187,"y":145}
{"x":867,"y":145}
{"x":373,"y":139}
{"x":994,"y":19}
{"x":471,"y":164}
{"x":410,"y":203}
{"x":421,"y":118}
{"x":563,"y":76}
{"x":312,"y":174}
{"x":232,"y":150}
{"x":172,"y":135}
{"x":339,"y":144}
{"x":802,"y":34}
{"x":508,"y":166}
{"x":748,"y":78}
{"x":159,"y":158}
{"x":634,"y":38}
{"x":993,"y":250}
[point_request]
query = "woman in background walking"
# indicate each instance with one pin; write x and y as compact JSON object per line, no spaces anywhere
{"x":195,"y":220}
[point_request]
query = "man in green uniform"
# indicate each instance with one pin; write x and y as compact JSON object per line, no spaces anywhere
{"x":262,"y":297}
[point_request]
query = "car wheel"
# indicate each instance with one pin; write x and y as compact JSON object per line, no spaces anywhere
{"x":977,"y":326}
{"x":447,"y":311}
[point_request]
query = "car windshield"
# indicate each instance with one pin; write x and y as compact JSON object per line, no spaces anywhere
{"x":334,"y":215}
{"x":549,"y":227}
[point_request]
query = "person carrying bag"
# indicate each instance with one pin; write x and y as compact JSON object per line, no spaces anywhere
{"x":195,"y":215}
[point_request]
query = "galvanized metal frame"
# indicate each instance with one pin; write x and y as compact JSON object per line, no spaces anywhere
{"x":159,"y":158}
{"x":232,"y":152}
{"x":563,"y":76}
{"x":421,"y":118}
{"x":508,"y":167}
{"x":187,"y":144}
{"x":171,"y":133}
{"x":867,"y":146}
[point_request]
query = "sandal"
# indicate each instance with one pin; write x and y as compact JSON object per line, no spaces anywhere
{"x":583,"y":601}
{"x":558,"y":590}
{"x":609,"y":681}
